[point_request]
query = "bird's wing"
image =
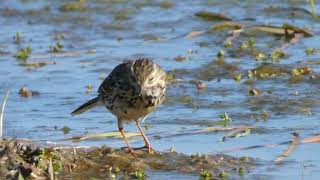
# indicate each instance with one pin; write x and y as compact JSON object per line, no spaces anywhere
{"x":121,"y":74}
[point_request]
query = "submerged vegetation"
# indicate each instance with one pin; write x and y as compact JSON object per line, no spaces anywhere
{"x":24,"y":53}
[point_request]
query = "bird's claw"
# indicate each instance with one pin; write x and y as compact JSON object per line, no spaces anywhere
{"x":150,"y":149}
{"x":131,"y":152}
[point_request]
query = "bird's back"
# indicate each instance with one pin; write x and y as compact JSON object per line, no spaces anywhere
{"x":133,"y":89}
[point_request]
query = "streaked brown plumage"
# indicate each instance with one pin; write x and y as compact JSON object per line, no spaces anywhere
{"x":131,"y":91}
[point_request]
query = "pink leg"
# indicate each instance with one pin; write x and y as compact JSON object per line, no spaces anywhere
{"x":126,"y":141}
{"x":146,"y":141}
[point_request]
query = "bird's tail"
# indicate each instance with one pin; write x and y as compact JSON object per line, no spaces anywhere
{"x":86,"y":106}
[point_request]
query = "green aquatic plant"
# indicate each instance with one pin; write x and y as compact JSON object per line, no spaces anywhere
{"x":277,"y":54}
{"x":227,"y":44}
{"x":244,"y":45}
{"x":17,"y":38}
{"x":223,"y":175}
{"x":139,"y":174}
{"x":65,"y":129}
{"x":147,"y":126}
{"x":260,"y":56}
{"x":47,"y":155}
{"x":56,"y":48}
{"x":225,"y":119}
{"x":171,"y":150}
{"x":220,"y":53}
{"x":311,"y":51}
{"x":241,"y":170}
{"x":251,"y":42}
{"x":313,"y":7}
{"x":237,"y":77}
{"x":24,"y":53}
{"x":264,"y":115}
{"x":205,"y":174}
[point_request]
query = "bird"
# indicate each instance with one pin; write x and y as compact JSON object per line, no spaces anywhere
{"x":131,"y":91}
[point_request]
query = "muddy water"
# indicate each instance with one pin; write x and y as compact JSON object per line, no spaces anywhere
{"x":100,"y":34}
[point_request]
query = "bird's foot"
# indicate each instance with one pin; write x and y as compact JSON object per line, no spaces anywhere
{"x":149,"y":148}
{"x":131,"y":152}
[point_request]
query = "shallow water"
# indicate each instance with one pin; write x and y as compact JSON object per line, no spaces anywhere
{"x":104,"y":33}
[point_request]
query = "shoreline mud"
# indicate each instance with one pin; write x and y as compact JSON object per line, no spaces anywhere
{"x":20,"y":158}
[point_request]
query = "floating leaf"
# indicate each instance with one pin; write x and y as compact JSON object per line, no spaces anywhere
{"x":151,"y":37}
{"x":115,"y":134}
{"x":73,"y":6}
{"x":289,"y":10}
{"x":226,"y":25}
{"x":312,"y":139}
{"x":285,"y":29}
{"x":218,"y":129}
{"x":293,"y":145}
{"x":269,"y":29}
{"x":295,"y":29}
{"x":237,"y":132}
{"x":35,"y":64}
{"x":194,"y":34}
{"x":212,"y":16}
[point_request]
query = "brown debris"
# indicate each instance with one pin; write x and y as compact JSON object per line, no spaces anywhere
{"x":25,"y":92}
{"x":254,"y":92}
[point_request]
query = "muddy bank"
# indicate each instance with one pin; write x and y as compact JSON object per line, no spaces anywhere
{"x":27,"y":159}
